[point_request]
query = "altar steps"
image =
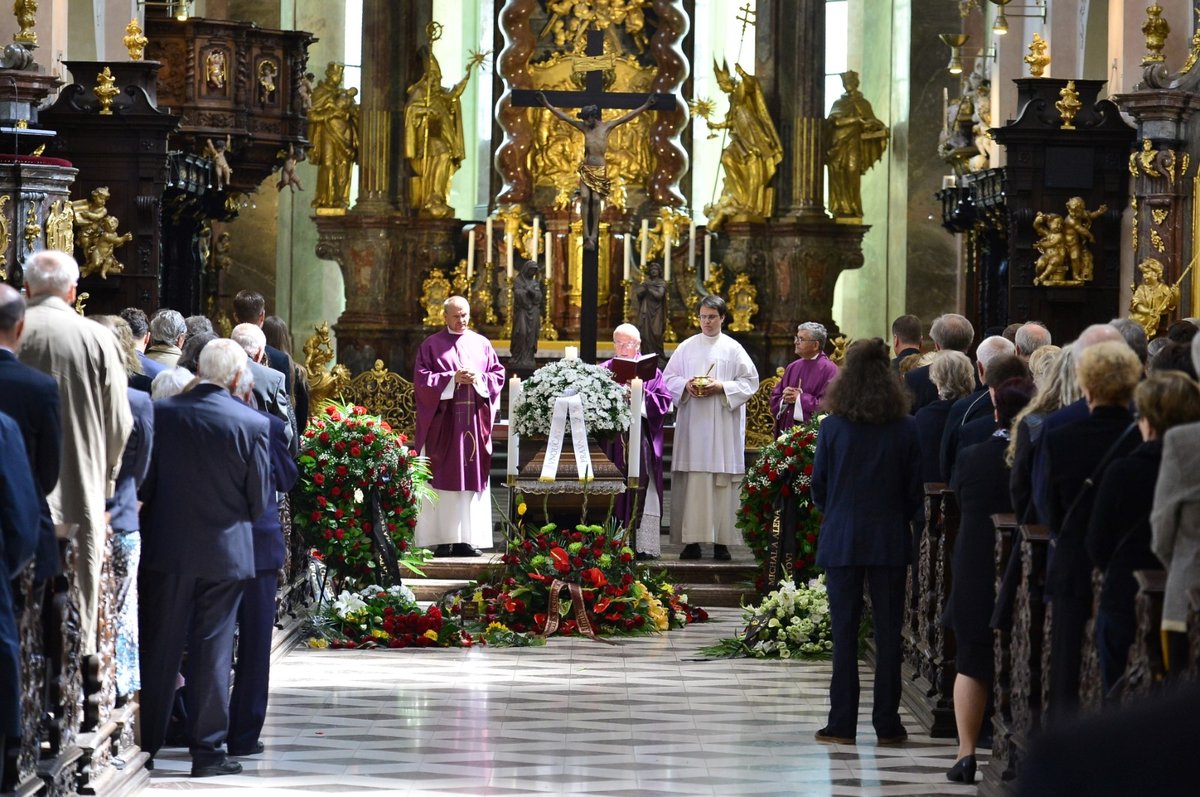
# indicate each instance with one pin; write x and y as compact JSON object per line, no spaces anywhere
{"x":706,"y":582}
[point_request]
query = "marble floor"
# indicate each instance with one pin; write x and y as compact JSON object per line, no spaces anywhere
{"x":647,"y":716}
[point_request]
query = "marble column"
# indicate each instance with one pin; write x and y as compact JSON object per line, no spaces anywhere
{"x":375,"y":116}
{"x":790,"y":63}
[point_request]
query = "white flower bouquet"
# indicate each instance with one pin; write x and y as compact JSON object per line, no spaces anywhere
{"x":791,"y":623}
{"x":605,"y":403}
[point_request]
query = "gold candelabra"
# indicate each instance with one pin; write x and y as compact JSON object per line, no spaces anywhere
{"x":483,"y":294}
{"x":548,"y":332}
{"x":508,"y":317}
{"x":627,"y":284}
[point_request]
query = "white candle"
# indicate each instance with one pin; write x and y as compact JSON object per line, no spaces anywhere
{"x":691,"y":264}
{"x":514,"y":442}
{"x":645,"y":243}
{"x":549,"y":267}
{"x":487,"y":251}
{"x":707,"y":255}
{"x":666,"y":256}
{"x":571,"y":353}
{"x":537,"y":236}
{"x":628,"y":254}
{"x":508,"y":243}
{"x":470,"y":255}
{"x":635,"y":428}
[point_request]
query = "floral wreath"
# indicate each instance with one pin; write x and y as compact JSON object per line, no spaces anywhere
{"x":783,"y":470}
{"x":605,"y":405}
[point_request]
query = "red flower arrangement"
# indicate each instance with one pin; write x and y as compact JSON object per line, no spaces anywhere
{"x":783,"y":470}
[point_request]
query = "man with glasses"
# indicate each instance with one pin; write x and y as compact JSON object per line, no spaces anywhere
{"x":711,"y":377}
{"x":798,"y":395}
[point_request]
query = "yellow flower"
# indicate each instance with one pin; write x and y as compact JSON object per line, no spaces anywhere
{"x":431,"y":635}
{"x":521,"y":508}
{"x":379,"y":633}
{"x":496,"y":627}
{"x":313,"y":642}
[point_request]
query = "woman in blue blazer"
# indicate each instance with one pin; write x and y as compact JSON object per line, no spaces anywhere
{"x":867,"y":482}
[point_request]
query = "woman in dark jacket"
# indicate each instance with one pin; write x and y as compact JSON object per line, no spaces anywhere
{"x":981,"y":486}
{"x":954,"y":377}
{"x":1118,"y":537}
{"x":866,"y":480}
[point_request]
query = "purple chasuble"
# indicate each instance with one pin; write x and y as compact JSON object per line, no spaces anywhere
{"x":658,"y":404}
{"x":814,"y":377}
{"x":456,"y":433}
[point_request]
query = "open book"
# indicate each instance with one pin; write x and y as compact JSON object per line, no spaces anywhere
{"x":644,"y":367}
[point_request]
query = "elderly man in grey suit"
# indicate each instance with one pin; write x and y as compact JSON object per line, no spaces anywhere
{"x":270,"y":387}
{"x":1175,"y":525}
{"x":208,"y":482}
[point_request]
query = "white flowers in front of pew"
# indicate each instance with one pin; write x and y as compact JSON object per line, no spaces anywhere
{"x":791,"y":623}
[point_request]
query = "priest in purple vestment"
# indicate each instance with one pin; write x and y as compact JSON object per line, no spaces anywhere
{"x":805,"y":380}
{"x":627,"y":343}
{"x":457,"y":384}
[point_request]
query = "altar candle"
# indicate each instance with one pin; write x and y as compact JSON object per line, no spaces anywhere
{"x":628,"y":253}
{"x":691,"y":264}
{"x":707,"y":256}
{"x":508,"y":243}
{"x":537,"y":236}
{"x":571,"y":353}
{"x":514,"y":442}
{"x":487,"y":252}
{"x":666,"y":256}
{"x":645,"y":243}
{"x":549,"y":269}
{"x":635,"y":428}
{"x":470,"y":255}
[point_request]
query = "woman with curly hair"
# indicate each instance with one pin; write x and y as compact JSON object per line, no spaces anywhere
{"x":867,"y":482}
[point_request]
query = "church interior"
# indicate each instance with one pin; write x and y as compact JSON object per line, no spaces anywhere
{"x":359,"y":162}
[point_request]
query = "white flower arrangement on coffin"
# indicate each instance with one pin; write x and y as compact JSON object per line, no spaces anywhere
{"x":605,"y":403}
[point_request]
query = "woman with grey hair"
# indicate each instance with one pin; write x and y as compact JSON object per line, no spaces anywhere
{"x":954,"y":377}
{"x":171,"y":382}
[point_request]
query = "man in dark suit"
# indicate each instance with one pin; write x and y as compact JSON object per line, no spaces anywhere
{"x":209,"y":481}
{"x":139,"y":325}
{"x":949,"y":331}
{"x":906,"y":338}
{"x":249,"y":307}
{"x":976,"y":405}
{"x":256,"y":616}
{"x":270,"y":391}
{"x":30,"y":398}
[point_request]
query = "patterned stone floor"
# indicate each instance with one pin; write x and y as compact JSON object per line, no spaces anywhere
{"x":645,"y":717}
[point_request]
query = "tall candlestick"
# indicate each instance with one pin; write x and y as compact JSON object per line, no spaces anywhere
{"x":487,"y":252}
{"x":571,"y":353}
{"x":470,"y":255}
{"x":508,"y":244}
{"x":707,"y":255}
{"x":635,"y":429}
{"x":549,"y":268}
{"x":537,"y":236}
{"x":666,"y":256}
{"x":628,"y":254}
{"x":645,"y":243}
{"x":691,"y":264}
{"x":514,"y":441}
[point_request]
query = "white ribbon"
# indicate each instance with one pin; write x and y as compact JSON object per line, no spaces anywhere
{"x":567,"y":407}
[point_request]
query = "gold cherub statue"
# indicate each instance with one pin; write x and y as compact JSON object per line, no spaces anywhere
{"x":134,"y":41}
{"x":1038,"y":59}
{"x":1153,"y":298}
{"x":1051,"y":265}
{"x":100,"y":258}
{"x":1077,"y":232}
{"x":318,"y":354}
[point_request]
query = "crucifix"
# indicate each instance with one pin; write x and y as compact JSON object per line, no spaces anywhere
{"x":592,"y":180}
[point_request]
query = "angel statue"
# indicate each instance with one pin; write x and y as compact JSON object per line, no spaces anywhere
{"x":857,"y":140}
{"x":752,"y":155}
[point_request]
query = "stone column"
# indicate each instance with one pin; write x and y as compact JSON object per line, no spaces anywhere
{"x":790,"y":63}
{"x":375,"y":119}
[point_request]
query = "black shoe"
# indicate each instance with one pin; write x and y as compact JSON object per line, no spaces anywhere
{"x":895,"y":738}
{"x":225,"y":767}
{"x":442,"y":550}
{"x":721,"y":553}
{"x":464,"y":549}
{"x":642,"y":556}
{"x":963,"y":770}
{"x":691,"y":551}
{"x":828,"y":737}
{"x":258,"y":748}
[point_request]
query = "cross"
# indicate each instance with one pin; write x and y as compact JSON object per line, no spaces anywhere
{"x":593,"y":65}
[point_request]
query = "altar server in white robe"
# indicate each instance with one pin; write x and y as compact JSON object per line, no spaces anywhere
{"x":711,"y":377}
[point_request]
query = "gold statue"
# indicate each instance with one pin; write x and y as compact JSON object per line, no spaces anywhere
{"x":318,"y":354}
{"x":214,"y":69}
{"x":1068,"y":105}
{"x":267,"y":73}
{"x":333,"y":131}
{"x":80,"y":301}
{"x":1038,"y":59}
{"x":1194,"y":54}
{"x":100,"y":259}
{"x":667,"y":231}
{"x":714,"y":283}
{"x":32,"y":230}
{"x":60,"y":229}
{"x":221,"y":258}
{"x":1077,"y":230}
{"x":105,"y":91}
{"x":1153,"y":298}
{"x":840,"y":344}
{"x":512,"y":219}
{"x":742,"y":303}
{"x":570,"y":20}
{"x":1155,"y":29}
{"x":752,"y":155}
{"x":857,"y":140}
{"x":26,"y":13}
{"x":435,"y":290}
{"x":1051,"y":265}
{"x":89,"y":216}
{"x":433,"y":133}
{"x":134,"y":41}
{"x":216,"y":153}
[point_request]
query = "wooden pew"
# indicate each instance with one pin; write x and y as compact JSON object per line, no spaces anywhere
{"x":1145,"y":670}
{"x":1002,"y":729}
{"x":1192,"y":670}
{"x":1091,"y":680}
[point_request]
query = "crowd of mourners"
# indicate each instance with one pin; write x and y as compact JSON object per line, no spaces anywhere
{"x":182,"y":443}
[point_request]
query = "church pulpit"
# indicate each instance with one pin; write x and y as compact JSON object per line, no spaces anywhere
{"x":1145,"y":669}
{"x":1006,"y":531}
{"x":1029,"y":621}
